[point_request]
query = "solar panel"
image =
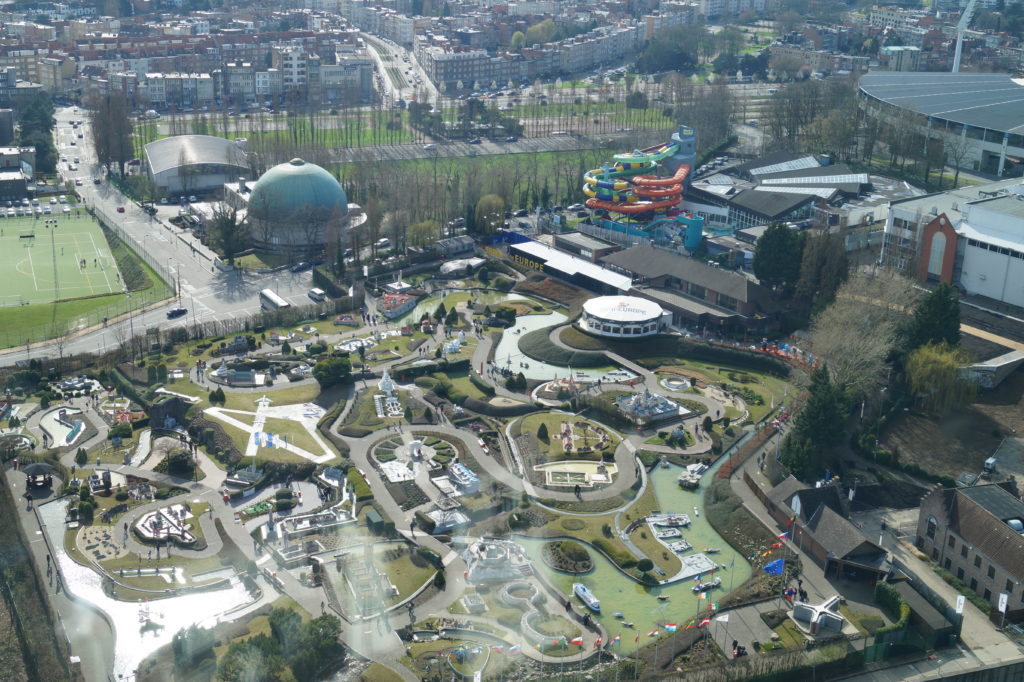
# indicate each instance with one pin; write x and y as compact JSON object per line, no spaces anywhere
{"x":850,"y":179}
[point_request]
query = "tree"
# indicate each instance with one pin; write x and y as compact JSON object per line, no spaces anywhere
{"x":112,"y":130}
{"x":489,"y":215}
{"x":518,"y":41}
{"x":644,"y":565}
{"x":777,"y":256}
{"x":542,"y":432}
{"x":331,"y":371}
{"x":541,"y":33}
{"x":35,"y":128}
{"x":934,"y":373}
{"x":936,"y":318}
{"x":857,"y":361}
{"x":957,"y":148}
{"x":229,"y":234}
{"x":253,"y":660}
{"x":818,"y":427}
{"x":81,"y":457}
{"x":190,"y":645}
{"x":822,"y":269}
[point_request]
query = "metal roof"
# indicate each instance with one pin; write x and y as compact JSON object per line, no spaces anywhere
{"x":981,"y":100}
{"x":795,"y":164}
{"x":172,"y":152}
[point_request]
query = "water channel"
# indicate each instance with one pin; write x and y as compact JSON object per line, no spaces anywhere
{"x":139,"y":628}
{"x":638,"y":603}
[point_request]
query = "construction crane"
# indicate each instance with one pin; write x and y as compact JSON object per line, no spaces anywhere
{"x":961,"y":28}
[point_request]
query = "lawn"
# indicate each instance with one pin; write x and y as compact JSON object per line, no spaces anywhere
{"x":661,"y":555}
{"x":240,"y":439}
{"x":404,"y":573}
{"x":46,"y":268}
{"x":554,"y":449}
{"x":296,"y":434}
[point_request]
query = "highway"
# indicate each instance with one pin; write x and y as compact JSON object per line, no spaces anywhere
{"x":206,"y":291}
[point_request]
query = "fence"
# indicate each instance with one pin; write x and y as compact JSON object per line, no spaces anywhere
{"x":131,"y":304}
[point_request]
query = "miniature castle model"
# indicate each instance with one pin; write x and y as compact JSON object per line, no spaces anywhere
{"x":648,"y":408}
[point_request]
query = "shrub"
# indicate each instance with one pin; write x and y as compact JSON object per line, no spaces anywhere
{"x":359,"y":485}
{"x":81,"y":457}
{"x":284,"y":504}
{"x":353,"y":431}
{"x":620,"y":556}
{"x":121,"y":495}
{"x":121,"y":430}
{"x":283,"y":493}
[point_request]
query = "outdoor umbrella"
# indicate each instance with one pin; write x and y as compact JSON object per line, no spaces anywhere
{"x":37,"y":469}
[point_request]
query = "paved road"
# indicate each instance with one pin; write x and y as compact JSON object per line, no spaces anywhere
{"x":206,"y":291}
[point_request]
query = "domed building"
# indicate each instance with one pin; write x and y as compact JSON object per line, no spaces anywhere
{"x":296,"y":208}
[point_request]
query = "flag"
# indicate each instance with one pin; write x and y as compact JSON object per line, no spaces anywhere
{"x":706,"y":621}
{"x":767,"y":552}
{"x":636,"y":640}
{"x":724,"y":618}
{"x":671,"y":627}
{"x":514,"y":649}
{"x":783,"y":536}
{"x":714,"y":607}
{"x":578,"y":641}
{"x":776,"y":545}
{"x":615,"y":640}
{"x":557,"y":642}
{"x":597,"y":643}
{"x":775,"y":567}
{"x":696,"y":578}
{"x":498,"y":649}
{"x":690,"y":626}
{"x":653,"y":633}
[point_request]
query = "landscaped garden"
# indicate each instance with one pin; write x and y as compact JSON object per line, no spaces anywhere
{"x":562,"y":436}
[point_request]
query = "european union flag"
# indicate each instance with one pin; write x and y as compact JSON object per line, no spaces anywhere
{"x":775,"y":567}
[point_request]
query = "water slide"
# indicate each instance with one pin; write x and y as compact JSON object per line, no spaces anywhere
{"x":610,"y":190}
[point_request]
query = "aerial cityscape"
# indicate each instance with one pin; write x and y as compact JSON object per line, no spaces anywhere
{"x":398,"y":340}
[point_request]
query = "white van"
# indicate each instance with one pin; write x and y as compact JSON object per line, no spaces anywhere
{"x":317,"y":294}
{"x":384,"y":243}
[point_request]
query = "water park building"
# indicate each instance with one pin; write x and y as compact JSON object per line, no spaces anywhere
{"x":620,"y":317}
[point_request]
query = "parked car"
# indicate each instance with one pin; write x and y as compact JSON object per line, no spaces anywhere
{"x":430,"y":147}
{"x":475,"y":140}
{"x":120,"y":209}
{"x":511,"y":138}
{"x":521,"y":213}
{"x":176,"y":312}
{"x":302,"y":266}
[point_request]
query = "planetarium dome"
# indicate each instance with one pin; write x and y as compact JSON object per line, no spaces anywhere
{"x":297,"y":186}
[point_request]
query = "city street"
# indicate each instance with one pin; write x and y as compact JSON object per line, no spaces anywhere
{"x":207,"y":291}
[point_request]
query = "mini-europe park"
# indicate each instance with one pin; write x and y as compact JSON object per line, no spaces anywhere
{"x":476,"y":484}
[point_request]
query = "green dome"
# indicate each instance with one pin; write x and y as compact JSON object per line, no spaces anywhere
{"x":297,"y":186}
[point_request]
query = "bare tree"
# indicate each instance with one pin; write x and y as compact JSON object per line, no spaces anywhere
{"x":856,"y":334}
{"x":957,"y":147}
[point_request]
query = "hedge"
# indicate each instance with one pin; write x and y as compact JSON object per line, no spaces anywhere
{"x":898,"y":625}
{"x":539,"y":346}
{"x":620,"y":556}
{"x":733,"y":356}
{"x":359,"y":485}
{"x":888,"y":598}
{"x":482,"y":385}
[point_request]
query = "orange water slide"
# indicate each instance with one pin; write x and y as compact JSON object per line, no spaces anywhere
{"x":651,"y":181}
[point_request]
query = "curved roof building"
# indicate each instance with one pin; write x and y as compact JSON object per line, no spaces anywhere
{"x":621,"y":316}
{"x":194,"y":164}
{"x":984,"y":109}
{"x":294,"y":207}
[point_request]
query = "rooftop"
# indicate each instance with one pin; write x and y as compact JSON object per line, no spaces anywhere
{"x":981,"y":100}
{"x":172,"y":152}
{"x":995,"y":500}
{"x":570,"y":265}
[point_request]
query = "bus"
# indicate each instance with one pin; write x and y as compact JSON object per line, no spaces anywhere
{"x":271,"y":301}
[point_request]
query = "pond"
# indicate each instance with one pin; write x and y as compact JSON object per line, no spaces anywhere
{"x":639,"y":603}
{"x":135,"y":636}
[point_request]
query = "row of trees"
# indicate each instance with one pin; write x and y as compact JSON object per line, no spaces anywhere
{"x":111,"y":125}
{"x":35,"y":129}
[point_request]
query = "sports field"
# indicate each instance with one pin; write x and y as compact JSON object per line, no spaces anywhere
{"x":52,"y":258}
